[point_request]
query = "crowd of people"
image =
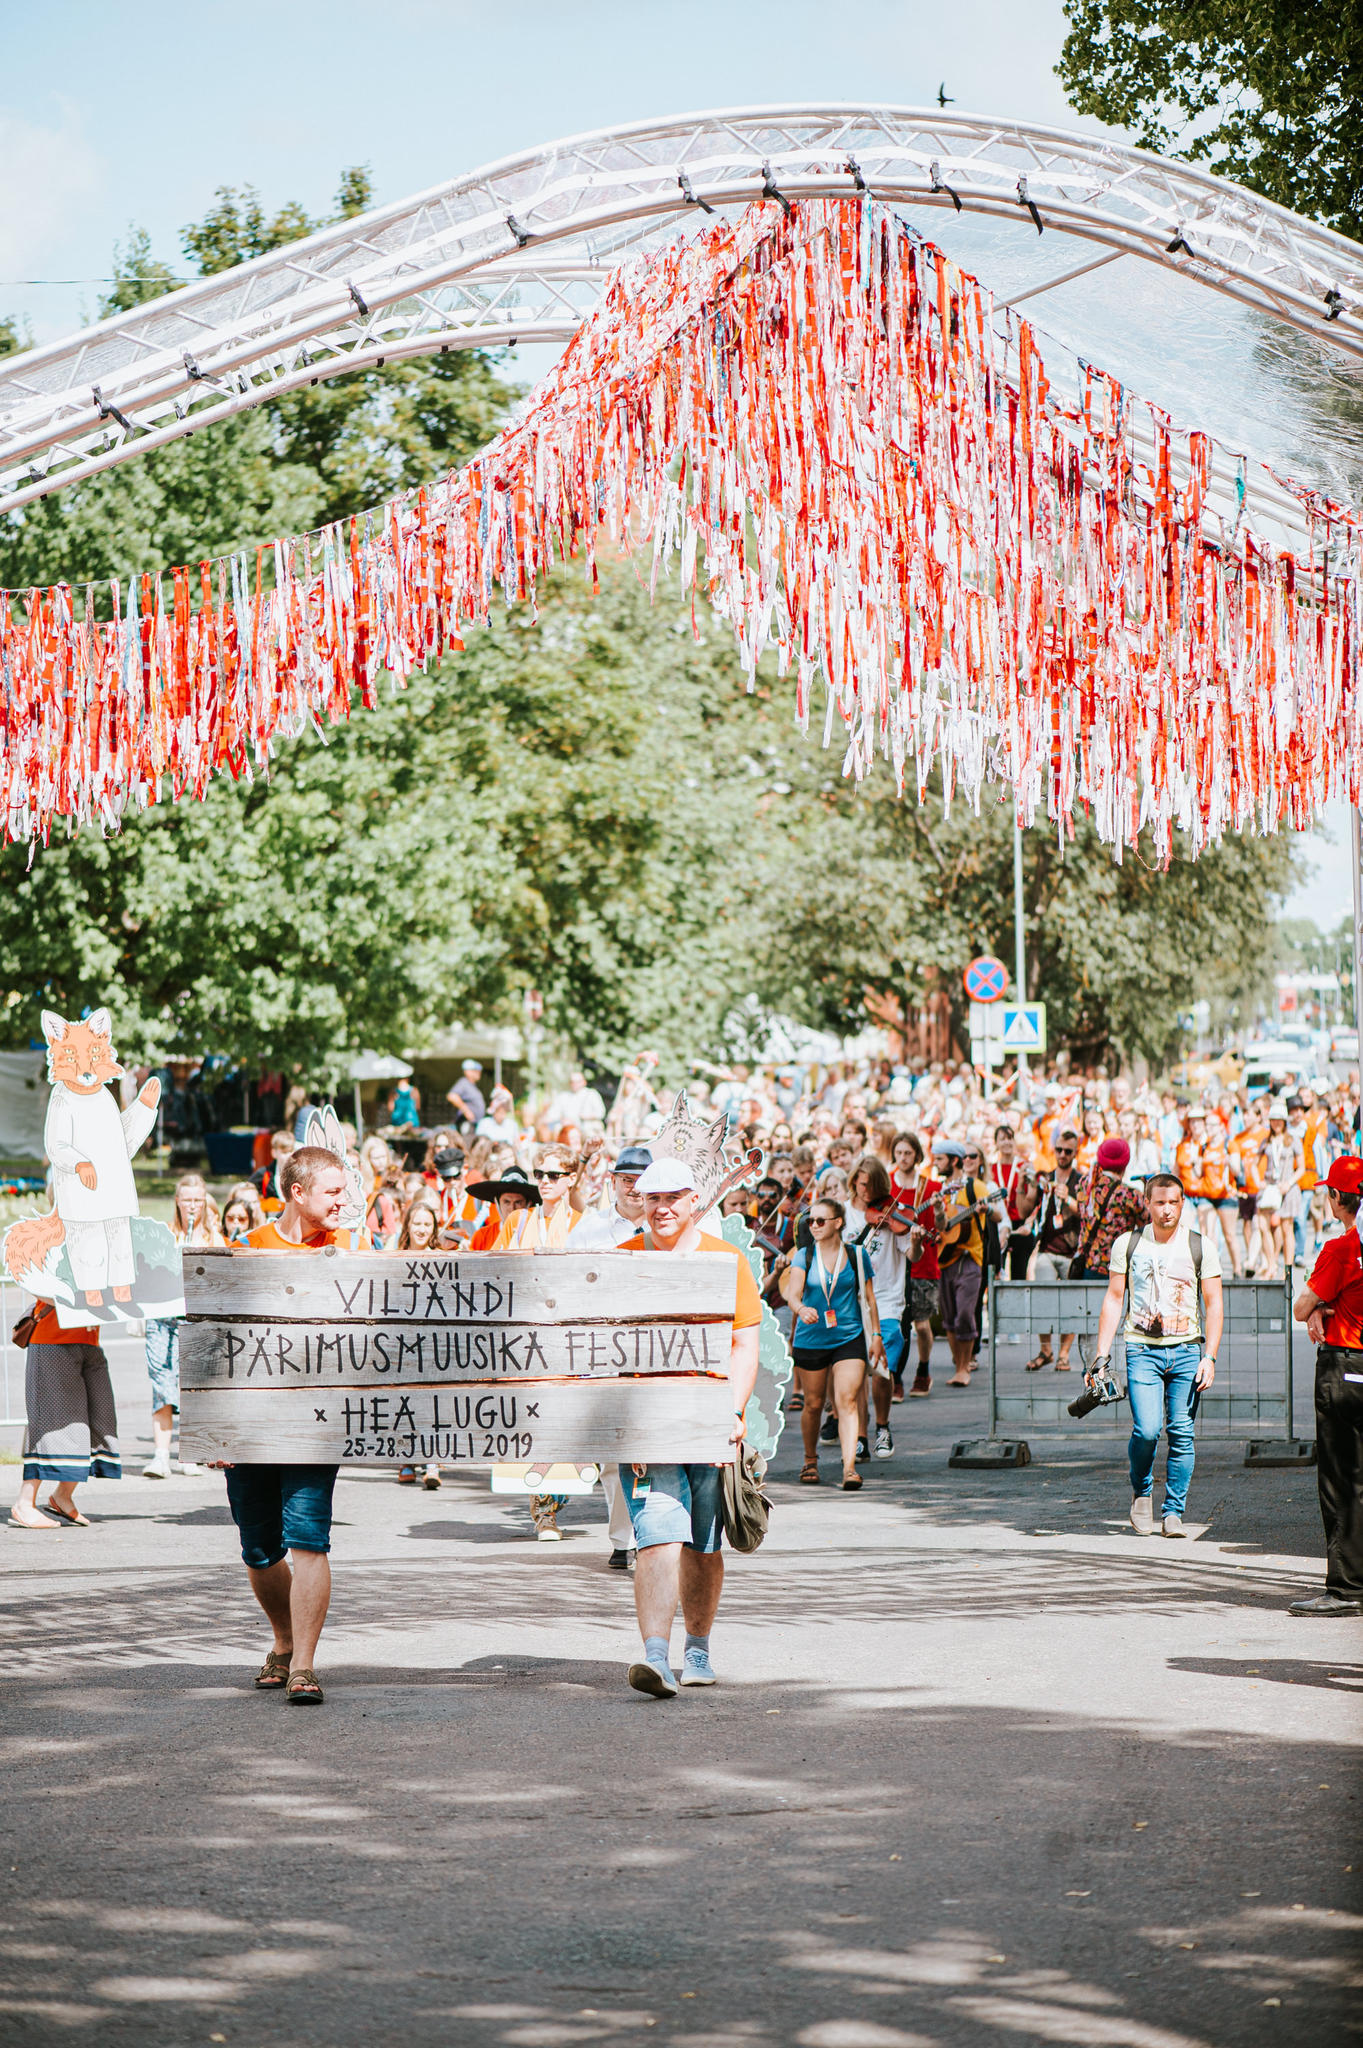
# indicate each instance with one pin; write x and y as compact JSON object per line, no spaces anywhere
{"x":887,"y":1200}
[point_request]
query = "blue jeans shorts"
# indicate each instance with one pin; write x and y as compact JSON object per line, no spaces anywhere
{"x":280,"y":1507}
{"x":674,"y":1504}
{"x":163,"y":1361}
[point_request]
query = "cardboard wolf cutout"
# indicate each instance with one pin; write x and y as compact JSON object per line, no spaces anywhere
{"x":702,"y":1146}
{"x":94,"y":1256}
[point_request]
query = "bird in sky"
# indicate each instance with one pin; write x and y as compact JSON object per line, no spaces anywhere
{"x":944,"y":98}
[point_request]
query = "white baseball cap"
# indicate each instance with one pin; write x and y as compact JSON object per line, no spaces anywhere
{"x":666,"y":1177}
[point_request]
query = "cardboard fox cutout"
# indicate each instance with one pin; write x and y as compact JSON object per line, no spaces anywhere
{"x":93,"y":1255}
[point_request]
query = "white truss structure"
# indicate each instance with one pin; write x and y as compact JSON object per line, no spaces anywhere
{"x":521,"y":250}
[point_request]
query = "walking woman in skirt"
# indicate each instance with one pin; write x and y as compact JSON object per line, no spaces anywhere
{"x":72,"y":1431}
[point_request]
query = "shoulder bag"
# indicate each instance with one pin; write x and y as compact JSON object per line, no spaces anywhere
{"x":744,"y":1508}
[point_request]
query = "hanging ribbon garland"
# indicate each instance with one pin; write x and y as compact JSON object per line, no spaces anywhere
{"x":817,"y":414}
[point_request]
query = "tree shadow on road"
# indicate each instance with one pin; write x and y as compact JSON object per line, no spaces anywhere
{"x":1277,"y":1670}
{"x":521,"y":1851}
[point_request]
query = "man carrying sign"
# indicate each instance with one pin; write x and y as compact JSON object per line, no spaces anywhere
{"x":284,"y":1511}
{"x":675,"y":1509}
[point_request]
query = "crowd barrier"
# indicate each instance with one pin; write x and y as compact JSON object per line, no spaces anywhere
{"x":1250,"y":1397}
{"x":13,"y":1302}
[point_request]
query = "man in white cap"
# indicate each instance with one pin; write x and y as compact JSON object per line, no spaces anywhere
{"x":607,"y":1233}
{"x":675,"y":1509}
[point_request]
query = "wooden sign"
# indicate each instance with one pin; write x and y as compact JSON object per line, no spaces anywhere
{"x":541,"y":1422}
{"x":478,"y":1359}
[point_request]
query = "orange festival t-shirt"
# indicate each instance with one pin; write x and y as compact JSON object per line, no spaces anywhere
{"x":267,"y":1239}
{"x":748,"y":1306}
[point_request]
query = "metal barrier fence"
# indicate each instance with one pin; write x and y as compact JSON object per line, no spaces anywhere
{"x":1252,"y":1391}
{"x":13,"y":1302}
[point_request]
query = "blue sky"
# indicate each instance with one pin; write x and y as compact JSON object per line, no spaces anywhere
{"x":111,"y":113}
{"x":114,"y":114}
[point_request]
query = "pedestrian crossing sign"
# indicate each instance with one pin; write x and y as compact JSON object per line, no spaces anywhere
{"x":1023,"y":1027}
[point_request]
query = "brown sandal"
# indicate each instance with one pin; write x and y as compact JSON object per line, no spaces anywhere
{"x":303,"y":1690}
{"x":70,"y":1514}
{"x":1043,"y":1358}
{"x":273,"y":1674}
{"x":809,"y":1472}
{"x":851,"y":1482}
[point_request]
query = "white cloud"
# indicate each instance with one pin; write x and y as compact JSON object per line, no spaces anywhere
{"x":50,"y":174}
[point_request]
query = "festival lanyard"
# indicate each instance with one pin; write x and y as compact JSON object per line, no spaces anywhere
{"x":830,"y":1314}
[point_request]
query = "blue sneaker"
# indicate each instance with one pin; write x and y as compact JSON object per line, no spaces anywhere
{"x":654,"y":1675}
{"x":697,"y":1669}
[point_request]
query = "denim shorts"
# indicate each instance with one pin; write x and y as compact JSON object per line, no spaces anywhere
{"x":280,"y":1507}
{"x":163,"y":1361}
{"x":678,"y":1504}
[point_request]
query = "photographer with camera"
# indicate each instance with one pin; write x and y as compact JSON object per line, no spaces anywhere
{"x":1168,"y":1278}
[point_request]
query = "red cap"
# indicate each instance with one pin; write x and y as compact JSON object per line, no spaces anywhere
{"x":1346,"y":1176}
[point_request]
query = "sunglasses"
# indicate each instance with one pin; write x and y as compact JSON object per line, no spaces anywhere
{"x":551,"y":1173}
{"x":823,"y":1219}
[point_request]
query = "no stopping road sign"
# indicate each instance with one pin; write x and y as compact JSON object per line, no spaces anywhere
{"x":986,"y":979}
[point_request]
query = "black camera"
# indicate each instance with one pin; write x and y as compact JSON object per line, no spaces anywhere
{"x":1100,"y":1389}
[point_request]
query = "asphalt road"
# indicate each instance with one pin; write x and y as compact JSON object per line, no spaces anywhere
{"x":985,"y":1770}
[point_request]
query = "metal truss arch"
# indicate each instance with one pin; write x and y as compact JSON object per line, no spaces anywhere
{"x":521,"y":250}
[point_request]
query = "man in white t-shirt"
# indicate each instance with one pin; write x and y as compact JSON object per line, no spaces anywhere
{"x":1169,"y":1281}
{"x":577,"y":1104}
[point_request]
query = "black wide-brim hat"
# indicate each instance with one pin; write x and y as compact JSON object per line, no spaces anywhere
{"x":512,"y":1182}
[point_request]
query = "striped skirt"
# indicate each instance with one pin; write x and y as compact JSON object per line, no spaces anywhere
{"x":72,"y":1431}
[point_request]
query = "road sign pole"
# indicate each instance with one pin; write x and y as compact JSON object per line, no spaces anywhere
{"x":1020,"y":942}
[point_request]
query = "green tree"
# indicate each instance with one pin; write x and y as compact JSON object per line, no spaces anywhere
{"x":558,"y":807}
{"x":1266,"y":92}
{"x":895,"y":899}
{"x":313,"y":456}
{"x":1305,"y":948}
{"x":138,"y":276}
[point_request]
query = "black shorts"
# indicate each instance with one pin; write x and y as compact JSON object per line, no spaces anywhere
{"x":818,"y":1357}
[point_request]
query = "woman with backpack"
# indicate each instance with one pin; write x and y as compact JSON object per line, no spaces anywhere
{"x":835,"y":1331}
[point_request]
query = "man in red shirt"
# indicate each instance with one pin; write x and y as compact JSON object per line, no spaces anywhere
{"x":675,"y":1509}
{"x":1331,"y":1306}
{"x":921,"y":1291}
{"x":284,"y":1511}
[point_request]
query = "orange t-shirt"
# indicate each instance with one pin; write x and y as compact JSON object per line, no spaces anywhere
{"x":267,"y":1239}
{"x":1315,"y":1124}
{"x":47,"y":1330}
{"x":1215,"y":1168}
{"x":1245,"y":1150}
{"x":748,"y":1306}
{"x":485,"y":1237}
{"x":1188,"y":1167}
{"x":1087,"y":1155}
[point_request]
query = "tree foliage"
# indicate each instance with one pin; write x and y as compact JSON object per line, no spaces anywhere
{"x":1266,"y":92}
{"x":895,"y":898}
{"x":558,"y":807}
